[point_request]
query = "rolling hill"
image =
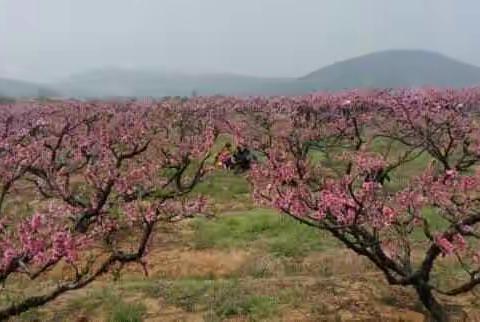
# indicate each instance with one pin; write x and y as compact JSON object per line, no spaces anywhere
{"x":386,"y":69}
{"x":395,"y":68}
{"x":126,"y":82}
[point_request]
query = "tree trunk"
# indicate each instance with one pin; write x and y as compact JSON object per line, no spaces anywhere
{"x":436,"y":310}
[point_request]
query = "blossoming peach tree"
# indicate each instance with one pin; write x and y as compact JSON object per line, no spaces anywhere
{"x":390,"y":174}
{"x":98,"y":177}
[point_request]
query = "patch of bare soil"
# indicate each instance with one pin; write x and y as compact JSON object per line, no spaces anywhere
{"x":175,"y":264}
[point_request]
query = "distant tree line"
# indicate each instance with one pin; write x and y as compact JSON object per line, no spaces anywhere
{"x":6,"y":99}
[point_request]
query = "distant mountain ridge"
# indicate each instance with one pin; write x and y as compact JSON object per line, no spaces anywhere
{"x":16,"y":88}
{"x":385,"y":69}
{"x":126,"y":82}
{"x":395,"y":68}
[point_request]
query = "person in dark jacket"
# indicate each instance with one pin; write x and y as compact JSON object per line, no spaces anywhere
{"x":378,"y":175}
{"x":242,"y":159}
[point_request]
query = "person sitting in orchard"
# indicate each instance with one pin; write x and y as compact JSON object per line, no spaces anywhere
{"x":242,"y":159}
{"x":224,"y":157}
{"x":377,"y":175}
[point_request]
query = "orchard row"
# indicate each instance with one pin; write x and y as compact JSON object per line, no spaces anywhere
{"x":103,"y":174}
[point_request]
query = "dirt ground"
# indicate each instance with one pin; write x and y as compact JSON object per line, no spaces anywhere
{"x":333,"y":285}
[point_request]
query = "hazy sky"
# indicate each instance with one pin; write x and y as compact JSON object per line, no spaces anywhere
{"x":48,"y":39}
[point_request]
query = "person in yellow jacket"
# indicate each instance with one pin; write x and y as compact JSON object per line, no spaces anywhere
{"x":224,"y":157}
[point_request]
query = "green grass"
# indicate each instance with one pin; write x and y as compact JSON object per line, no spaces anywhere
{"x":217,"y":300}
{"x":278,"y":234}
{"x":256,"y":307}
{"x":435,"y":221}
{"x":401,"y":176}
{"x":104,"y":300}
{"x":224,"y":186}
{"x":187,"y":294}
{"x":127,"y":312}
{"x":447,"y":275}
